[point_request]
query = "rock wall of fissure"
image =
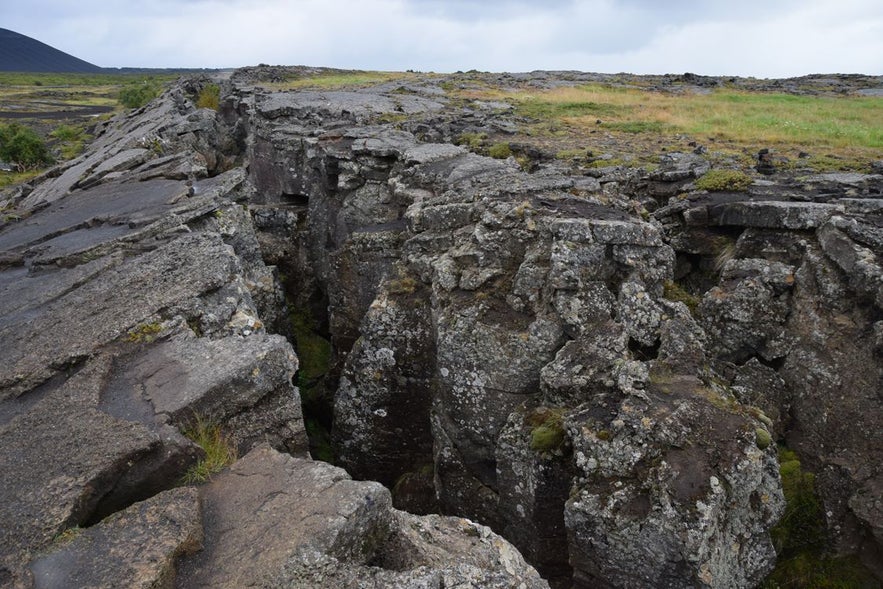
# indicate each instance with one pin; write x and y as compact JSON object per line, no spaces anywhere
{"x":150,"y":431}
{"x":597,"y":366}
{"x":523,"y":350}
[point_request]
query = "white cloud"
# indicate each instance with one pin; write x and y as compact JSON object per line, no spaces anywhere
{"x":751,"y":37}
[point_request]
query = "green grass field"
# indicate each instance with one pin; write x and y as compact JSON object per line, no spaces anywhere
{"x":61,"y":108}
{"x":842,"y":132}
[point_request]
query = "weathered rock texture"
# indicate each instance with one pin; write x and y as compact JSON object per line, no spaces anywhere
{"x":510,"y":347}
{"x":135,"y":306}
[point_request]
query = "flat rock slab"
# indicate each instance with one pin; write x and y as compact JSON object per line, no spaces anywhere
{"x":773,"y":214}
{"x":37,"y":343}
{"x":112,"y":203}
{"x":233,"y":378}
{"x":269,"y":508}
{"x":136,"y":548}
{"x":340,"y":104}
{"x":61,"y":459}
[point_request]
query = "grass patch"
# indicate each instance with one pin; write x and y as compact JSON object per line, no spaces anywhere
{"x":473,"y":141}
{"x":71,"y":140}
{"x":847,"y":128}
{"x":37,"y":80}
{"x":723,"y":180}
{"x":336,"y":80}
{"x":220,"y":452}
{"x":209,"y":97}
{"x":499,"y":151}
{"x":640,"y":127}
{"x":13,"y":178}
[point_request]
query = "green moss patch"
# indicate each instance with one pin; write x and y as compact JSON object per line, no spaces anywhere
{"x":801,"y":539}
{"x":675,"y":292}
{"x":547,"y":429}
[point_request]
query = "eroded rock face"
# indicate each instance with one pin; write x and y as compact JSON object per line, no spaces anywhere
{"x":277,"y":521}
{"x":525,"y":350}
{"x":519,"y":300}
{"x":138,"y":547}
{"x":136,"y":306}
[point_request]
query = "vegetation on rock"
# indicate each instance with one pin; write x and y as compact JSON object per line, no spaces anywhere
{"x":209,"y":97}
{"x":547,"y":429}
{"x":219,"y":450}
{"x":314,"y":354}
{"x":499,"y":151}
{"x":724,"y":180}
{"x":139,"y":93}
{"x":675,"y":292}
{"x":800,"y":539}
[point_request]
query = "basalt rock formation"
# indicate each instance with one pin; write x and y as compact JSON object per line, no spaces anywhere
{"x":591,"y":366}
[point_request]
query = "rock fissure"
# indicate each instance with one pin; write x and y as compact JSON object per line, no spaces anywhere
{"x":533,"y":351}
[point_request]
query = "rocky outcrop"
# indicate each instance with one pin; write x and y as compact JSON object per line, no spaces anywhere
{"x":533,"y":351}
{"x":486,"y":314}
{"x":137,"y":310}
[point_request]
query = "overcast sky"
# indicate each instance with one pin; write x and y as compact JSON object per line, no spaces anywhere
{"x":761,"y":38}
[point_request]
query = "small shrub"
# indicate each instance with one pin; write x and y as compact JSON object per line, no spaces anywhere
{"x":138,"y":94}
{"x":219,"y":450}
{"x":499,"y":151}
{"x":723,"y":180}
{"x":21,"y":146}
{"x":209,"y":97}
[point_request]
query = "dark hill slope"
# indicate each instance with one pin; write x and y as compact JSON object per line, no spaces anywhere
{"x":19,"y":53}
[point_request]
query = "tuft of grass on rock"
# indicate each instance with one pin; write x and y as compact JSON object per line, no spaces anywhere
{"x":220,"y":452}
{"x":144,"y":333}
{"x":499,"y":151}
{"x":209,"y":97}
{"x":724,"y":180}
{"x":547,"y":432}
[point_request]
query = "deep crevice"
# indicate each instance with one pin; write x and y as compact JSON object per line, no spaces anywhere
{"x":642,"y":352}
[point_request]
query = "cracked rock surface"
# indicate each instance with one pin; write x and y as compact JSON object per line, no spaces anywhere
{"x":588,"y":365}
